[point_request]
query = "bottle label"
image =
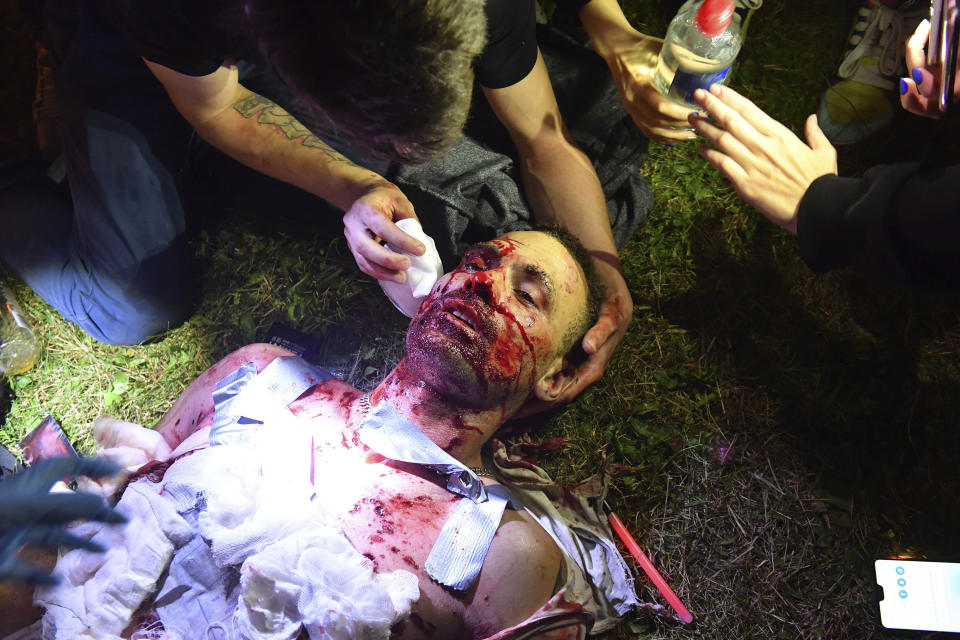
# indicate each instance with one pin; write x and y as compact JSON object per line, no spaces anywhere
{"x":685,"y":83}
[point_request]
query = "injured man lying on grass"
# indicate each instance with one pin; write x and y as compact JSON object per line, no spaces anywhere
{"x":283,"y":503}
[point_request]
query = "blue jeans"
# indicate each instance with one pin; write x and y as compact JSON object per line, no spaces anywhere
{"x":112,"y":257}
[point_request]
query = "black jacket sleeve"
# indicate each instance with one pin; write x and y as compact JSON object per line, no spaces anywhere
{"x":897,"y":226}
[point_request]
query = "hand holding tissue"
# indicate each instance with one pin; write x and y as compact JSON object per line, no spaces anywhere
{"x":421,"y":276}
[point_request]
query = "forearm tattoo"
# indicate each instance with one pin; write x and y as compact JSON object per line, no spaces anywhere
{"x":273,"y":114}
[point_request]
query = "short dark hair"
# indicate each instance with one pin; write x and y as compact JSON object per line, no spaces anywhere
{"x":393,"y":76}
{"x":596,"y":292}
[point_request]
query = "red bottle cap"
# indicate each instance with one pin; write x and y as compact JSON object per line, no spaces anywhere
{"x":714,"y":16}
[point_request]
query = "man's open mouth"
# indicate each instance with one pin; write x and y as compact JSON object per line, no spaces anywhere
{"x":463,"y":314}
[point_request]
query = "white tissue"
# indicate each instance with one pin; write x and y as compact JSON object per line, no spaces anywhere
{"x":421,"y":276}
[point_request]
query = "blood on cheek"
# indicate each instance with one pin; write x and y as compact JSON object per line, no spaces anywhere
{"x":504,"y":357}
{"x":506,"y":352}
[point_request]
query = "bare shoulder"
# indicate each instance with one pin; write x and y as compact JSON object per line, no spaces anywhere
{"x":519,"y":574}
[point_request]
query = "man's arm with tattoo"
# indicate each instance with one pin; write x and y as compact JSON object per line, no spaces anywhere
{"x":270,"y":113}
{"x":262,"y":135}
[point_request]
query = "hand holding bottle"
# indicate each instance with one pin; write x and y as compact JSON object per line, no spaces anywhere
{"x":632,"y":58}
{"x":702,"y":41}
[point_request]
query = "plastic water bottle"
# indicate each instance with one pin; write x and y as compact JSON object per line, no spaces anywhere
{"x":19,"y":348}
{"x":702,"y":41}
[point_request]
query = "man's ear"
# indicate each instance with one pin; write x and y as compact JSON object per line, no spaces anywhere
{"x":560,"y":375}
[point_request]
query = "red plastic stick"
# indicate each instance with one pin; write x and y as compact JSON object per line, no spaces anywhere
{"x":685,"y":616}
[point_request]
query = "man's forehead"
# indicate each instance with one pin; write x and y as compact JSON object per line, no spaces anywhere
{"x":527,"y":243}
{"x":543,"y":255}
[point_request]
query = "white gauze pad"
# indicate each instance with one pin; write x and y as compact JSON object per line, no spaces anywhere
{"x":421,"y":276}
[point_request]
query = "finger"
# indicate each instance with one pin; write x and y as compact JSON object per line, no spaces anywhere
{"x":42,"y":475}
{"x":725,"y":165}
{"x":658,"y":127}
{"x":924,"y":81}
{"x":57,"y":507}
{"x":402,"y":207}
{"x":365,"y":247}
{"x":913,"y":102}
{"x":377,"y":271}
{"x":816,"y":138}
{"x":397,"y":238}
{"x":380,"y":256}
{"x":723,"y":102}
{"x":587,"y":373}
{"x":727,"y":141}
{"x":598,"y":334}
{"x":19,"y":572}
{"x":658,"y":108}
{"x":914,"y":55}
{"x":667,"y":135}
{"x":55,"y":536}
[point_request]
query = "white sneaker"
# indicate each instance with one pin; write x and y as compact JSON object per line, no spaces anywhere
{"x":864,"y":101}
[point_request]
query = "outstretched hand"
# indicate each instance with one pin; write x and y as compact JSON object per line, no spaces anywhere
{"x":30,"y":514}
{"x":371,"y":221}
{"x":632,"y":67}
{"x":769,"y":166}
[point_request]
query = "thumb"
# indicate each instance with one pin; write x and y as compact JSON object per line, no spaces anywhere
{"x":815,"y":136}
{"x":598,"y":334}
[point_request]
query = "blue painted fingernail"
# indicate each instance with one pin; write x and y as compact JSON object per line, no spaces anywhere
{"x":668,"y":145}
{"x":917,"y":76}
{"x":903,"y":86}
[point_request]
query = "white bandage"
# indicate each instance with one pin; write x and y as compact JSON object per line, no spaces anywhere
{"x":421,"y":276}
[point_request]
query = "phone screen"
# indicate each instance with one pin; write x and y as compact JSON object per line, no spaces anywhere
{"x":919,"y":595}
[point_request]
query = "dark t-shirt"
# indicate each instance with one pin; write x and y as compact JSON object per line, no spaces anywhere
{"x":190,"y":36}
{"x":195,"y":37}
{"x":511,"y":49}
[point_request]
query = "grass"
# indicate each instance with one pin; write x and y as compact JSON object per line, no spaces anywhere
{"x":839,"y":400}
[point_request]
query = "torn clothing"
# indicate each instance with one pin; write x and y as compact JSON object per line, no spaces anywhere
{"x":256,"y":539}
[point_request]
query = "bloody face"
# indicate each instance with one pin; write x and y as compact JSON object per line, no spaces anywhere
{"x":493,"y":324}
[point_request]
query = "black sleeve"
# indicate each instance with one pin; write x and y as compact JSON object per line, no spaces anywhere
{"x":899,"y":225}
{"x":511,"y":49}
{"x":168,"y":33}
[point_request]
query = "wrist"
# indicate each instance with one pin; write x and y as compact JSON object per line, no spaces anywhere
{"x":358,"y":185}
{"x":617,"y":43}
{"x":609,"y":29}
{"x":607,"y":268}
